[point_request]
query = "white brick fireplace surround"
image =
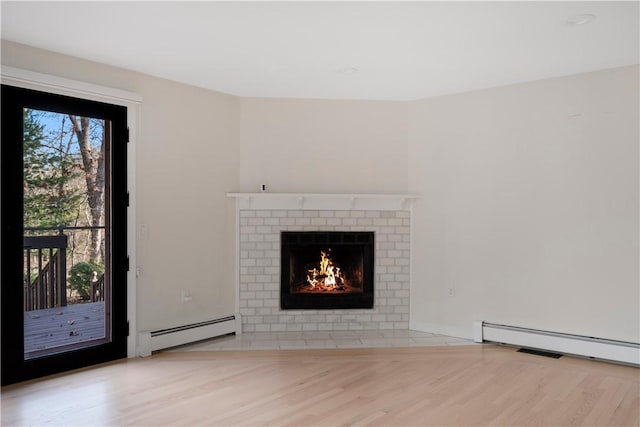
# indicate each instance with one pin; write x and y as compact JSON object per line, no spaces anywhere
{"x":262,"y":216}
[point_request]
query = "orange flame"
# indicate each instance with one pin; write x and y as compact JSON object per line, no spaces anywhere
{"x":328,"y":275}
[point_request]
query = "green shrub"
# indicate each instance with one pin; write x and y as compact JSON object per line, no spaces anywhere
{"x":80,"y":276}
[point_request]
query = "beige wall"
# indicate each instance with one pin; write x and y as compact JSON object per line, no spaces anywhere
{"x":529,"y":206}
{"x":187,"y":160}
{"x":317,"y":146}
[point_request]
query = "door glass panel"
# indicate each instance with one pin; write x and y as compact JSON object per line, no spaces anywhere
{"x":66,"y":268}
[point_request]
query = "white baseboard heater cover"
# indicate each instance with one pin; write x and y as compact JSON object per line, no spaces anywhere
{"x":600,"y":348}
{"x":150,"y":341}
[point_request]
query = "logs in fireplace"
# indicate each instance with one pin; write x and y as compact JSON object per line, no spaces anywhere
{"x":327,"y":269}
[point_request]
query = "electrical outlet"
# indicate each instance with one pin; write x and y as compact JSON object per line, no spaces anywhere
{"x":185,"y":296}
{"x":451,"y":292}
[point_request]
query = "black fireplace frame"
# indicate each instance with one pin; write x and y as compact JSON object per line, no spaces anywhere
{"x":312,"y":301}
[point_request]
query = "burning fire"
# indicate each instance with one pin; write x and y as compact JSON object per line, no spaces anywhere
{"x":328,"y":276}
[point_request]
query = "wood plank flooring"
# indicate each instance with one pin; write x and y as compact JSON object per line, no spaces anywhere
{"x":55,"y":327}
{"x":483,"y":385}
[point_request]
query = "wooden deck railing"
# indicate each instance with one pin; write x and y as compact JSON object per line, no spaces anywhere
{"x":97,"y":289}
{"x":46,"y":254}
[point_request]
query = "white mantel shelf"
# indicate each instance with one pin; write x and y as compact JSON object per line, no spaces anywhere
{"x":323,"y":201}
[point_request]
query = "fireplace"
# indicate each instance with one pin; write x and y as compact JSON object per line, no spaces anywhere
{"x":326,"y":269}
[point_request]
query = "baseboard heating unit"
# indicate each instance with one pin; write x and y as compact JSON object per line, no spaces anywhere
{"x":579,"y":345}
{"x":150,"y":341}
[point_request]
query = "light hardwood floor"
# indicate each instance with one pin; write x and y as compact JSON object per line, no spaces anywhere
{"x":422,"y":386}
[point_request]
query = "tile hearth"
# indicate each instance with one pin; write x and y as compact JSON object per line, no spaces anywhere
{"x":322,"y":340}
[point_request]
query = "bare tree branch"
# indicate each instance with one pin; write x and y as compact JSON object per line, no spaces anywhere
{"x":93,"y":164}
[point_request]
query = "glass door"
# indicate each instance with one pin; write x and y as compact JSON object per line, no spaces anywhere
{"x":64,"y":176}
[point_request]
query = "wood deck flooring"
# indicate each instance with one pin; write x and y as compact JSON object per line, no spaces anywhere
{"x":55,"y":327}
{"x":483,"y":385}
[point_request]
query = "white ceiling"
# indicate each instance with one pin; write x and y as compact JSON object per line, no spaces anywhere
{"x":401,"y":50}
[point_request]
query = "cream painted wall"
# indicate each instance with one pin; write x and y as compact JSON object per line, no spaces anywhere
{"x":187,"y":160}
{"x":530,"y":207}
{"x":295,"y":145}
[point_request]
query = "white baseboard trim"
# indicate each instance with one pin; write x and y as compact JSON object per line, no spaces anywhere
{"x":150,"y":341}
{"x":579,"y":345}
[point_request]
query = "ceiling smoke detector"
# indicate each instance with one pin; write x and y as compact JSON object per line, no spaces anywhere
{"x":347,"y":70}
{"x":581,"y":19}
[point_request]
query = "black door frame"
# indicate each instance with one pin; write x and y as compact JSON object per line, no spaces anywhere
{"x":14,"y":367}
